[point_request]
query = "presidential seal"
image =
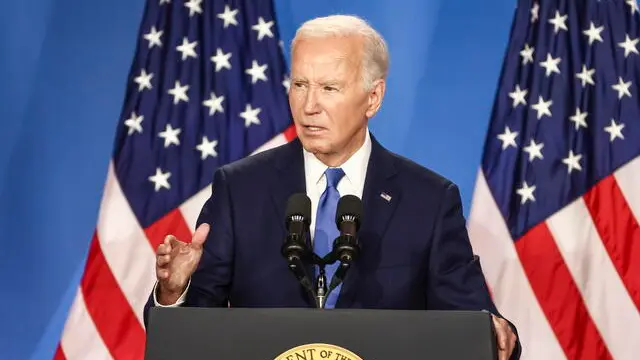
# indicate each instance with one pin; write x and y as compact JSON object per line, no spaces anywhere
{"x":317,"y":352}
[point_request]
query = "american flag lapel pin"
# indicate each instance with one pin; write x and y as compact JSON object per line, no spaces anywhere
{"x":385,"y":196}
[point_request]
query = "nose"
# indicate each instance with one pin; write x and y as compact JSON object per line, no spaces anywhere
{"x":311,"y":105}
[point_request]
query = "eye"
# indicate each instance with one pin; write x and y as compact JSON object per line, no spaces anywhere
{"x":299,"y":84}
{"x":330,"y":88}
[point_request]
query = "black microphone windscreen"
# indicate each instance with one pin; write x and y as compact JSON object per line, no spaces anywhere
{"x":349,"y":205}
{"x":299,"y":204}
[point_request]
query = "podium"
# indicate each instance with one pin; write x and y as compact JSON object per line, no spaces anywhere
{"x":317,"y":334}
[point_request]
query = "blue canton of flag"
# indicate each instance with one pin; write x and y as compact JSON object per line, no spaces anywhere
{"x":567,"y":112}
{"x":207,"y":87}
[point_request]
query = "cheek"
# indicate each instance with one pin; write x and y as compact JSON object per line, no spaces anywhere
{"x":335,"y":109}
{"x":343,"y":114}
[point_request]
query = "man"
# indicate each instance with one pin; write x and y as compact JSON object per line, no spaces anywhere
{"x":416,"y":253}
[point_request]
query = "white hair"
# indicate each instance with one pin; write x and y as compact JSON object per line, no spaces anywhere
{"x":375,"y":58}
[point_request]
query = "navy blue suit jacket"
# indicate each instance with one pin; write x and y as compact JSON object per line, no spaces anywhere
{"x":415,"y":249}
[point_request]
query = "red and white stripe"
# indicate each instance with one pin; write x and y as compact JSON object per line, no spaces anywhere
{"x":571,"y":284}
{"x":105,"y":320}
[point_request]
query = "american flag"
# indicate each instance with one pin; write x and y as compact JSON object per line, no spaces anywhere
{"x":208,"y":85}
{"x":556,"y":206}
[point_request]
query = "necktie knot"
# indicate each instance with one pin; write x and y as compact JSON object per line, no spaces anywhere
{"x":333,"y":176}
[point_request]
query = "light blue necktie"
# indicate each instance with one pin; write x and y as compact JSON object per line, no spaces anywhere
{"x":326,"y":230}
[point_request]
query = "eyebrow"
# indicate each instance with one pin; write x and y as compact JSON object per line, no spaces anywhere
{"x":327,"y":82}
{"x":331,"y":82}
{"x":323,"y":82}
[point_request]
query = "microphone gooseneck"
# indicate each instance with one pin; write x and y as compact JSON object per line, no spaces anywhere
{"x":321,"y":288}
{"x":294,"y":249}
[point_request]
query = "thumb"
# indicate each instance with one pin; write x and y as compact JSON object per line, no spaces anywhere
{"x":200,"y":235}
{"x":499,"y":333}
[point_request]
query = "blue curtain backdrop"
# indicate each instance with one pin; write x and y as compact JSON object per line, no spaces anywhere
{"x":64,"y":64}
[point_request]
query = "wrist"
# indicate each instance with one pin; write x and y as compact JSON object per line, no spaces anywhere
{"x":168,"y":297}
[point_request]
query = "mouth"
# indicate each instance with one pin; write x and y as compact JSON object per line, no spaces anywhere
{"x":313,"y":129}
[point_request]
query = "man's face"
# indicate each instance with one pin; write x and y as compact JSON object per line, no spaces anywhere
{"x":329,"y":105}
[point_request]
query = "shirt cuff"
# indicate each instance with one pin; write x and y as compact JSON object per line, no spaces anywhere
{"x":180,"y":300}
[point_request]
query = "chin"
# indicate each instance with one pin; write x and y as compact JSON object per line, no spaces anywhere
{"x":315,"y":146}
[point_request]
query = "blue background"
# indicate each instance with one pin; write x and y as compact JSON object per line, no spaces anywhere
{"x":64,"y":64}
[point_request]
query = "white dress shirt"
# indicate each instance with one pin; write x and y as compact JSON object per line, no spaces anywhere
{"x":352,"y":183}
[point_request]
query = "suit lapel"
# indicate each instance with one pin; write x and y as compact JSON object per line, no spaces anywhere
{"x":380,"y":197}
{"x":290,"y":179}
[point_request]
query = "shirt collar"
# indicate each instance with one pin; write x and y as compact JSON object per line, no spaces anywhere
{"x":355,"y":168}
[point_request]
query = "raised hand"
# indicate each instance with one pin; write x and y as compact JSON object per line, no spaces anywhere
{"x":175,"y":263}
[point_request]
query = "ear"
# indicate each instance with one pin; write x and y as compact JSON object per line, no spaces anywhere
{"x":375,"y":97}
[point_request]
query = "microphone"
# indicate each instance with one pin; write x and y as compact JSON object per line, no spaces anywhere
{"x":346,"y":247}
{"x":294,"y":249}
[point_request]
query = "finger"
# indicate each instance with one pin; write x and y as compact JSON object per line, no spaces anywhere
{"x":501,"y":332}
{"x":167,"y":243}
{"x":502,"y":355}
{"x":162,"y":274}
{"x":163,"y":249}
{"x":174,"y":242}
{"x":502,"y":337}
{"x":163,"y":260}
{"x":502,"y":351}
{"x":200,"y":235}
{"x":512,"y":342}
{"x":497,"y":326}
{"x":512,"y":346}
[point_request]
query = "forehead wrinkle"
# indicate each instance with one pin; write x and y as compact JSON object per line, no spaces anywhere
{"x":341,"y":63}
